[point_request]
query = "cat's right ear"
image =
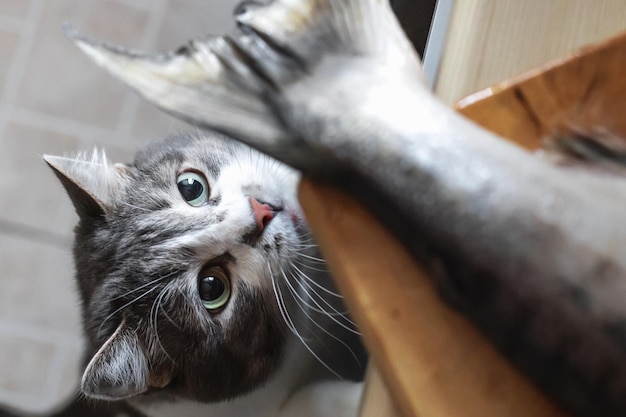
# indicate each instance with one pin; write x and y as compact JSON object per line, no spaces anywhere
{"x":90,"y":183}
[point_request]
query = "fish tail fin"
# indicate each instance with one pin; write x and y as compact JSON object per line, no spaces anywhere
{"x":192,"y":83}
{"x":308,"y":29}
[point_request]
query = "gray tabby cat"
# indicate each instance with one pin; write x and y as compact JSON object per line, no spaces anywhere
{"x":202,"y":291}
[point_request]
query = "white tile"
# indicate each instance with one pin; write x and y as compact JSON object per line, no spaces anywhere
{"x":37,"y":285}
{"x":8,"y":46}
{"x":24,"y":364}
{"x":14,"y":8}
{"x":37,"y":374}
{"x":59,"y":80}
{"x":30,"y":194}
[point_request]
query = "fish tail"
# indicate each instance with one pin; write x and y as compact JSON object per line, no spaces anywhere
{"x":192,"y":83}
{"x":309,"y":29}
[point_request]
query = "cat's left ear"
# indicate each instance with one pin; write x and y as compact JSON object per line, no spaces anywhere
{"x":119,"y":370}
{"x":91,"y":183}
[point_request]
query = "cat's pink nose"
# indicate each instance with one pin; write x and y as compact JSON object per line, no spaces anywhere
{"x":263,"y":213}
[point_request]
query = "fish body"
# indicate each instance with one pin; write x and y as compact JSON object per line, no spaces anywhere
{"x":531,"y":252}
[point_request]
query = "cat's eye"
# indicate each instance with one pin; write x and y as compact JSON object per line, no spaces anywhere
{"x":214,"y":288}
{"x":194,"y":188}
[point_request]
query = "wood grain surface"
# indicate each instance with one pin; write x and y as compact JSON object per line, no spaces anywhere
{"x":433,"y":361}
{"x":493,"y":40}
{"x":583,"y":92}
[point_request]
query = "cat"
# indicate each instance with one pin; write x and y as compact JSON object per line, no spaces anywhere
{"x":202,"y":290}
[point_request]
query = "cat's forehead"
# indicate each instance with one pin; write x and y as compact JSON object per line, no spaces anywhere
{"x":209,"y":152}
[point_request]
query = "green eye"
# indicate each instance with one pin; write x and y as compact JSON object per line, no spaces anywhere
{"x":194,"y":188}
{"x":214,"y":288}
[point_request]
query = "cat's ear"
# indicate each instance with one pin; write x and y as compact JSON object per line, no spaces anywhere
{"x":90,"y":183}
{"x":120,"y":369}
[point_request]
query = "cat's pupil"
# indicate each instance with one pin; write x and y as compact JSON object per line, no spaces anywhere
{"x":190,"y":189}
{"x":211,"y":288}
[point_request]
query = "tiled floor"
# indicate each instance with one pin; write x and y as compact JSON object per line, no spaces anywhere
{"x":53,"y":100}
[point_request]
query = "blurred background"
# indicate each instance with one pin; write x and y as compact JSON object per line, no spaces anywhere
{"x":53,"y":100}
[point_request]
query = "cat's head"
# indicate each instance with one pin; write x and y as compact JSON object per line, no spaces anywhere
{"x":177,"y":256}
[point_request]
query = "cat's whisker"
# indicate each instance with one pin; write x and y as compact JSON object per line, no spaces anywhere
{"x":304,"y":231}
{"x":184,"y":295}
{"x":156,"y":281}
{"x":154,"y":319}
{"x":313,"y":258}
{"x":306,"y":345}
{"x":317,"y":308}
{"x":316,"y":324}
{"x":322,"y":310}
{"x":307,"y":246}
{"x":281,"y":305}
{"x":306,"y":281}
{"x":169,"y":318}
{"x":306,"y":309}
{"x":315,"y":283}
{"x":311,"y":268}
{"x":124,"y":306}
{"x":307,"y":236}
{"x":153,"y":282}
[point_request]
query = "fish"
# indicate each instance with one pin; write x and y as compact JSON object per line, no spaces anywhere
{"x":532,"y":252}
